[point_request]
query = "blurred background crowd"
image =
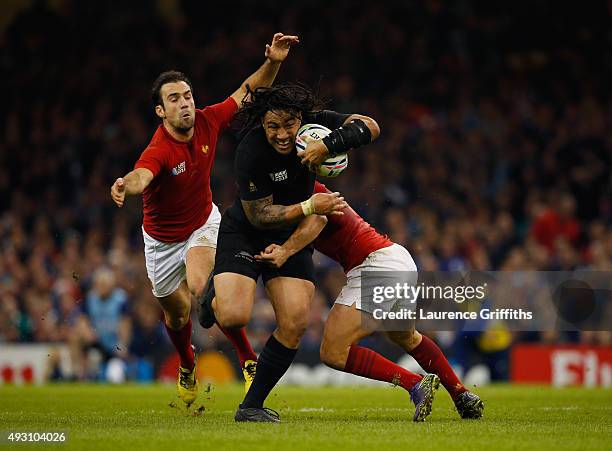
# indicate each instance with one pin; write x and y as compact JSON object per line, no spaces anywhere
{"x":495,"y":153}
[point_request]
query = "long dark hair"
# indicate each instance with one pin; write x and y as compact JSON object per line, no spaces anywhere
{"x":292,"y":97}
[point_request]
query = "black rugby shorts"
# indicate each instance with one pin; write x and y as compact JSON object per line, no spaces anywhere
{"x":237,"y":246}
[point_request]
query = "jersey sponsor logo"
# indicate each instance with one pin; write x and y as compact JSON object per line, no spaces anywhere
{"x":179,"y":169}
{"x":279,"y":176}
{"x":205,"y":148}
{"x":252,"y":187}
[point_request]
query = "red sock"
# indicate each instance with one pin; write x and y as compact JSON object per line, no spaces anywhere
{"x":241,"y":343}
{"x":367,"y":363}
{"x":432,"y":359}
{"x":182,"y":342}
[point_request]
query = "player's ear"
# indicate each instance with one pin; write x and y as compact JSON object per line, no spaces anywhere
{"x":159,"y":110}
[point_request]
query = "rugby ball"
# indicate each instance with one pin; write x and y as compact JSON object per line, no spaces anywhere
{"x":332,"y":167}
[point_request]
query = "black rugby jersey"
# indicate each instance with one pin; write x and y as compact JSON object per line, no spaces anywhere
{"x":261,"y":171}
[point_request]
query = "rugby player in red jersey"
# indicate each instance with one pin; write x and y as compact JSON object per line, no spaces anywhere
{"x":181,"y":222}
{"x":357,"y":246}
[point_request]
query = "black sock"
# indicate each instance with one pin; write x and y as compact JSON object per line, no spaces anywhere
{"x":273,"y":362}
{"x":206,"y":314}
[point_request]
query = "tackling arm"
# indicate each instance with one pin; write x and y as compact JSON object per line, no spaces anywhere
{"x":265,"y":75}
{"x":306,"y":233}
{"x":308,"y":230}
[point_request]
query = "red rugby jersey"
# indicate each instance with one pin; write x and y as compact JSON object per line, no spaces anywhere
{"x":178,"y":200}
{"x":348,"y":239}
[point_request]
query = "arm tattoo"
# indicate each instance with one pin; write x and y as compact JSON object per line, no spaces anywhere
{"x":264,"y":215}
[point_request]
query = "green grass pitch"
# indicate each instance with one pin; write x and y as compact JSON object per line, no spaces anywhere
{"x":321,"y":418}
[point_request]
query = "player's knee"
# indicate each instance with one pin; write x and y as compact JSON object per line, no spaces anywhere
{"x":232,"y":317}
{"x":198,"y":287}
{"x":197,"y":291}
{"x":177,"y":321}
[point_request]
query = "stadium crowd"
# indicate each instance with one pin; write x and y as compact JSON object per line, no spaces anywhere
{"x":495,"y":153}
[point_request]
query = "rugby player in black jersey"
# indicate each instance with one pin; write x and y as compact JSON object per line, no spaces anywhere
{"x":275,"y":187}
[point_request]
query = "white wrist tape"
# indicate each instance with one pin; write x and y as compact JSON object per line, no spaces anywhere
{"x":307,"y":207}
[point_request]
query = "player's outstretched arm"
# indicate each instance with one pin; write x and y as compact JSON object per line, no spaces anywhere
{"x":357,"y":131}
{"x":263,"y":214}
{"x":307,"y":231}
{"x":132,"y":183}
{"x":265,"y":75}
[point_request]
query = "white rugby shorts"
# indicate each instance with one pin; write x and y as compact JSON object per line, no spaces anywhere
{"x":392,"y":258}
{"x":166,"y":261}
